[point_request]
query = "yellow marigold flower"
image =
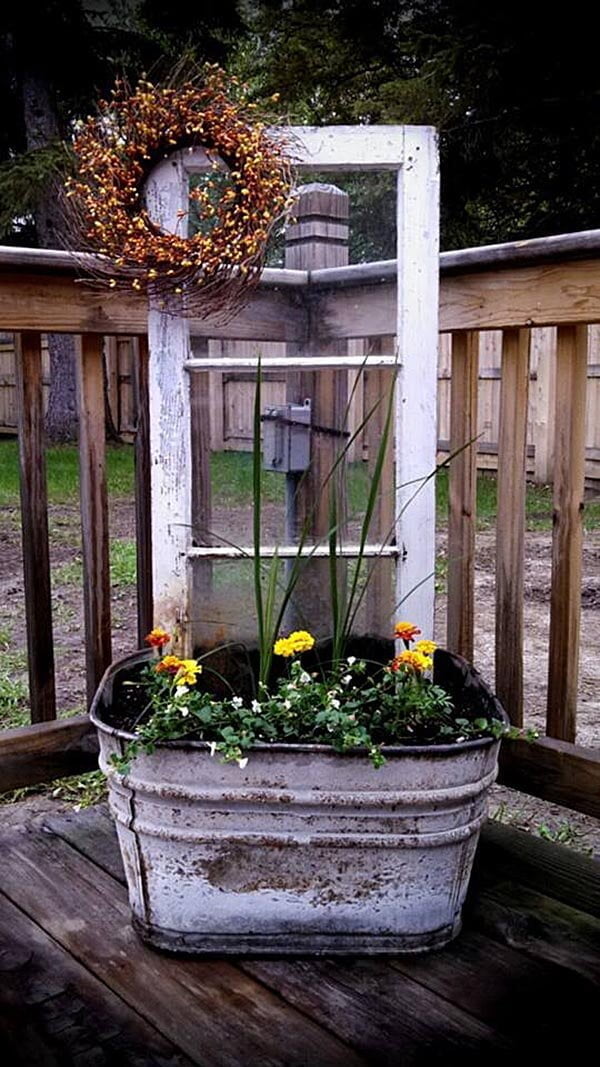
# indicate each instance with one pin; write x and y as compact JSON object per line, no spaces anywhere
{"x":406,"y":631}
{"x":411,"y":660}
{"x":188,"y":671}
{"x":426,"y":647}
{"x":168,"y":665}
{"x":157,"y":637}
{"x":298,"y":641}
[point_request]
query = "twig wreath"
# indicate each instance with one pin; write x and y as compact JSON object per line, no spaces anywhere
{"x":236,"y":202}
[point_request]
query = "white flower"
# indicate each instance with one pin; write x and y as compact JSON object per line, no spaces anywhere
{"x":185,"y":712}
{"x":346,"y":679}
{"x":334,"y":703}
{"x":181,"y":691}
{"x":237,"y":702}
{"x":242,"y":762}
{"x":305,"y":677}
{"x":287,"y":704}
{"x":351,"y":661}
{"x":256,"y":707}
{"x":213,"y":747}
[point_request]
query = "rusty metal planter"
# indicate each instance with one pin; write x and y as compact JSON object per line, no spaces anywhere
{"x":304,"y":851}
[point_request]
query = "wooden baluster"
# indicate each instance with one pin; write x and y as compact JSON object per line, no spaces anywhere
{"x":567,"y":538}
{"x":94,"y":508}
{"x":510,"y":528}
{"x":462,"y":492}
{"x":143,"y":496}
{"x":34,"y":524}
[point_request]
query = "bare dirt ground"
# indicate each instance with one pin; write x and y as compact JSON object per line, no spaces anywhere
{"x":517,"y":809}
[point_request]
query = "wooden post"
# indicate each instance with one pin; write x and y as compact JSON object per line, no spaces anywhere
{"x":462,"y":492}
{"x":143,"y":497}
{"x":417,"y":340}
{"x":543,"y":352}
{"x":94,"y":508}
{"x":34,"y":526}
{"x":319,"y":238}
{"x":567,"y":538}
{"x":170,"y":424}
{"x":510,"y":526}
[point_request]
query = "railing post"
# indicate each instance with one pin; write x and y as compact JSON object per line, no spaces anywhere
{"x":510,"y":523}
{"x":462,"y":492}
{"x":94,"y":508}
{"x":34,"y":513}
{"x":567,"y":535}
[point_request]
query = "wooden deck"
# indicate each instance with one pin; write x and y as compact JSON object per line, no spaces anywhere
{"x":78,"y":988}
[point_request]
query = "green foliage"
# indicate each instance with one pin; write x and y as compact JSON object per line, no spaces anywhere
{"x":513,"y":90}
{"x":14,"y":693}
{"x":62,"y":464}
{"x":348,"y":706}
{"x":122,"y":566}
{"x":25,"y":180}
{"x":80,"y":792}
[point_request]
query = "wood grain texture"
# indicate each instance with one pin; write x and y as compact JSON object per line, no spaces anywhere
{"x":567,"y":533}
{"x":34,"y":526}
{"x":510,"y":522}
{"x":211,"y":1011}
{"x":544,"y":295}
{"x":41,"y":753}
{"x":505,"y":853}
{"x":558,"y":771}
{"x":60,"y":304}
{"x":462,"y":493}
{"x":501,"y":978}
{"x":385,"y":1015}
{"x":170,"y":428}
{"x":94,"y":509}
{"x":539,"y":926}
{"x":521,"y":997}
{"x":56,"y":1012}
{"x":143,"y":499}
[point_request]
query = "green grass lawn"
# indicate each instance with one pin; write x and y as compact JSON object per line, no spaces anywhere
{"x":232,"y":482}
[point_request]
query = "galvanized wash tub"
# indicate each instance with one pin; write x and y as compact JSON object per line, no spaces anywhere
{"x":304,"y":851}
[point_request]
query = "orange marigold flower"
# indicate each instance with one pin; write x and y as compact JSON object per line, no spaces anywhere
{"x":157,"y":637}
{"x":406,"y":631}
{"x":168,"y":665}
{"x":412,"y":661}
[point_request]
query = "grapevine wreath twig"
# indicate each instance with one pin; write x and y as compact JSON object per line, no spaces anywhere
{"x":246,"y":191}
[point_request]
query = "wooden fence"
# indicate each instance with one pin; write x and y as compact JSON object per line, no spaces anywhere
{"x":232,"y":397}
{"x":553,"y":283}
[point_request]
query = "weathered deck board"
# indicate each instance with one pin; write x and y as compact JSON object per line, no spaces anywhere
{"x":46,"y":993}
{"x":527,"y":962}
{"x":211,"y":1011}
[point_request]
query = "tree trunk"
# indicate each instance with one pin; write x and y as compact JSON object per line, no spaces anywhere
{"x":42,"y":127}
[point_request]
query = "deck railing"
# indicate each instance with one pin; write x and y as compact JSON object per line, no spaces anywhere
{"x":513,"y":289}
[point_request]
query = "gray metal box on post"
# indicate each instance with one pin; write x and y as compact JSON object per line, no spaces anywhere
{"x":286,"y":438}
